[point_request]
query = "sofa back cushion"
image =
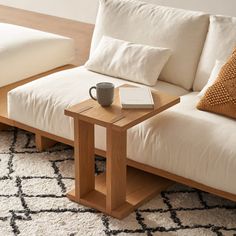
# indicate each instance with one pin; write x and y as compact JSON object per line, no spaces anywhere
{"x":182,"y":31}
{"x":220,"y":41}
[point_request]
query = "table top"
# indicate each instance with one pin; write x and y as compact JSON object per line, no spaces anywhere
{"x":117,"y":117}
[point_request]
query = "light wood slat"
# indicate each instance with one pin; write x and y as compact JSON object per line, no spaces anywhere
{"x":181,"y":180}
{"x":141,"y":187}
{"x":84,"y":158}
{"x":43,"y":143}
{"x":4,"y":126}
{"x":121,"y":118}
{"x":116,"y":168}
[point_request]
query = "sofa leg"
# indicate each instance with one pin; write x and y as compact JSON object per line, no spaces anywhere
{"x":43,"y":143}
{"x":4,"y":126}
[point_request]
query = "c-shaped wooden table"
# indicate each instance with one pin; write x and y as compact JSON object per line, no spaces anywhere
{"x":121,"y":189}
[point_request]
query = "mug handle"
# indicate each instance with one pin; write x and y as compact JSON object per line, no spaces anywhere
{"x":90,"y":93}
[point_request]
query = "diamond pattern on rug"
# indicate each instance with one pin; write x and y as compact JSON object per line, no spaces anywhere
{"x":62,"y":224}
{"x":33,"y":201}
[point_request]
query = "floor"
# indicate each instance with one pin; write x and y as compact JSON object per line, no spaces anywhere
{"x":33,"y":201}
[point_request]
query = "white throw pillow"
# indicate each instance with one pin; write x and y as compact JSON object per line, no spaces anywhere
{"x":214,"y":75}
{"x":220,"y":42}
{"x":182,"y":31}
{"x":129,"y":61}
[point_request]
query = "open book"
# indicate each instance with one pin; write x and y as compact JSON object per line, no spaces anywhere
{"x":132,"y":97}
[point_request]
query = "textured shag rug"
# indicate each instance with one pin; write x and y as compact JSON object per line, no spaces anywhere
{"x":32,"y":200}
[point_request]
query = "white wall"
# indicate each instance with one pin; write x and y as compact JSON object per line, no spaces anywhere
{"x":85,"y":10}
{"x":223,"y":7}
{"x":82,"y":10}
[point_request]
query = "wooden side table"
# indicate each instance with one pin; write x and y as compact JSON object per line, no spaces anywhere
{"x":120,"y":189}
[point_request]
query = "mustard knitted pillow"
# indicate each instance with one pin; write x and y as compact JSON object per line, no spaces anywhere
{"x":221,"y":96}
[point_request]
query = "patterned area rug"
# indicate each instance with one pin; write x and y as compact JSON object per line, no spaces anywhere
{"x":32,"y":200}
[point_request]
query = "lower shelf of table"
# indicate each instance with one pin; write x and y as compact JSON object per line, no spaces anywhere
{"x":141,"y":187}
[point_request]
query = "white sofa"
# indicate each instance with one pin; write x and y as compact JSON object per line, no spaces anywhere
{"x":184,"y":141}
{"x":26,"y":52}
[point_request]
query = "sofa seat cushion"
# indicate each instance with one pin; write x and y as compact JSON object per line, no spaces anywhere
{"x":26,"y":52}
{"x":43,"y":101}
{"x":190,"y":143}
{"x":182,"y":140}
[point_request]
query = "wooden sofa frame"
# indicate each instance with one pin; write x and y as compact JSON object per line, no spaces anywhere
{"x":82,"y":34}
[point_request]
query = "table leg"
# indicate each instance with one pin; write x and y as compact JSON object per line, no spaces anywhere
{"x":84,"y":158}
{"x":43,"y":143}
{"x":116,"y":168}
{"x":4,"y":127}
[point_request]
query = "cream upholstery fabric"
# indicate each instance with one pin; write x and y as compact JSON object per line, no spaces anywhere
{"x":181,"y":31}
{"x":190,"y":143}
{"x":135,"y":62}
{"x":34,"y":103}
{"x":159,"y":142}
{"x":26,"y":52}
{"x":220,"y":42}
{"x":214,"y":74}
